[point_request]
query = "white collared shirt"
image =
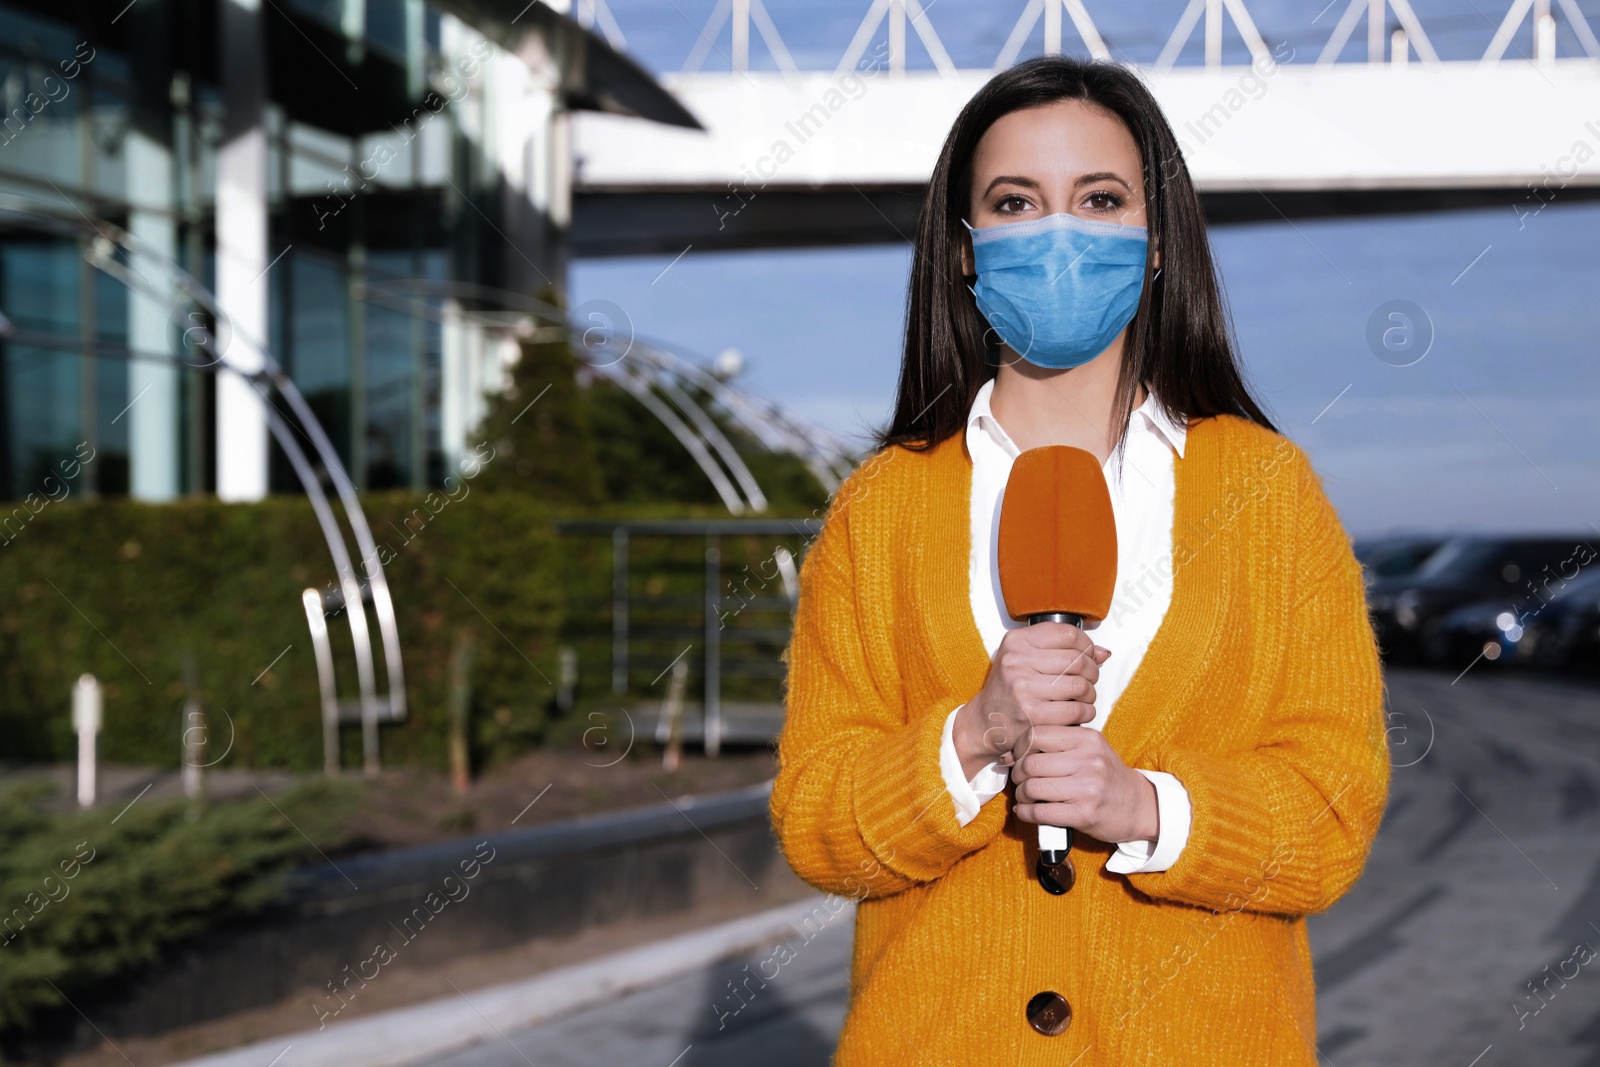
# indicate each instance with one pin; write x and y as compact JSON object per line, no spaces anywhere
{"x":1142,"y":504}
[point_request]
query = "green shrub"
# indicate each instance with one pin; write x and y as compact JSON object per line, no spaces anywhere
{"x":89,"y":896}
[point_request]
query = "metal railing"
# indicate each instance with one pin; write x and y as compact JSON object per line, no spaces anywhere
{"x":713,"y":624}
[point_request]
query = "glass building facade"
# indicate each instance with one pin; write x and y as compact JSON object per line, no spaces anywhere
{"x":301,"y":159}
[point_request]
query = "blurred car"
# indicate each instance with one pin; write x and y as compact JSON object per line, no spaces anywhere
{"x":1390,"y":557}
{"x":1565,"y":635}
{"x":1408,"y":609}
{"x":1560,"y":632}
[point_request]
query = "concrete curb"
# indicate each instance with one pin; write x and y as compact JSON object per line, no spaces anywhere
{"x":433,"y":1028}
{"x":546,"y":881}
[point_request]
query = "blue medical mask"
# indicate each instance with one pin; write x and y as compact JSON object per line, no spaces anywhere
{"x":1058,"y":289}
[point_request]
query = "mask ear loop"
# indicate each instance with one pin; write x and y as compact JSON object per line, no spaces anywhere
{"x":970,"y":227}
{"x":991,"y":340}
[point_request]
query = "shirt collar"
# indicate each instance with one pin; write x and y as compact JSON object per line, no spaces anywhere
{"x":1147,"y":417}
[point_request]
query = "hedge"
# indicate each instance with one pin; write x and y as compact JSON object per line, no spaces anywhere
{"x":128,"y":591}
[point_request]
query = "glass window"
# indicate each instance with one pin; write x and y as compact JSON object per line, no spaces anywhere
{"x":328,"y":12}
{"x":110,"y":387}
{"x":39,"y":130}
{"x":42,"y":383}
{"x":317,"y":336}
{"x":392,"y":356}
{"x":1537,"y":561}
{"x":386,"y":26}
{"x":1460,"y":557}
{"x":435,"y":268}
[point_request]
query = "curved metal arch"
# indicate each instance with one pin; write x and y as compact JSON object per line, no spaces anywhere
{"x":823,"y":454}
{"x":284,"y":434}
{"x":764,"y":419}
{"x":713,"y":433}
{"x":814,"y":446}
{"x":640,"y":388}
{"x":702,"y":440}
{"x":104,"y":239}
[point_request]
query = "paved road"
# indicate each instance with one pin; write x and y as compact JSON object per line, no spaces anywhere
{"x":1486,"y":871}
{"x":794,"y":1020}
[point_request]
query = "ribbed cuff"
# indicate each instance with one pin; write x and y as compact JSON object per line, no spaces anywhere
{"x":902,"y":803}
{"x":1230,"y":835}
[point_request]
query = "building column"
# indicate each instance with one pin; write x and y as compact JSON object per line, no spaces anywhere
{"x":458,"y":384}
{"x":241,"y":228}
{"x":154,"y":413}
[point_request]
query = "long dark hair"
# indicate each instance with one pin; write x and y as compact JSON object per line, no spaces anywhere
{"x":1178,"y":343}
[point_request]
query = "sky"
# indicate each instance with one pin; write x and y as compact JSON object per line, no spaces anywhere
{"x":1496,"y":427}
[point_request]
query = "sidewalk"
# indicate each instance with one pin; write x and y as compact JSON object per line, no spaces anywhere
{"x":427,"y":1031}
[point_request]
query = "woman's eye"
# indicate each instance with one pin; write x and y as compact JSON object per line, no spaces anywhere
{"x":1104,"y":201}
{"x":1012,"y":199}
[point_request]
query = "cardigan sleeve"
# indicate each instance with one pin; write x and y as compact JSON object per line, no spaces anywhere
{"x":1286,"y":827}
{"x":859,"y":804}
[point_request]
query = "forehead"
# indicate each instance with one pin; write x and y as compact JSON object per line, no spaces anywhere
{"x":1062,"y":138}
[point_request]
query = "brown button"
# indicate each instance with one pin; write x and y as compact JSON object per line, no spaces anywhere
{"x":1049,"y":1013}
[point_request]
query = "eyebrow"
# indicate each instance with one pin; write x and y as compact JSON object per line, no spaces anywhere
{"x":1029,"y":183}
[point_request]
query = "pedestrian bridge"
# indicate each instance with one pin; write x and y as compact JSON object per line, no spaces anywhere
{"x":806,"y":157}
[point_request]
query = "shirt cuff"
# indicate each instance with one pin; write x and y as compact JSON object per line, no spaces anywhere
{"x":1174,"y":811}
{"x":968,"y":795}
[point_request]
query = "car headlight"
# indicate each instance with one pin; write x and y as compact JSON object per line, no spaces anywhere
{"x":1507,"y":622}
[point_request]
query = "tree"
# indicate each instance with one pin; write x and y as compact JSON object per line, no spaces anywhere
{"x":568,"y":434}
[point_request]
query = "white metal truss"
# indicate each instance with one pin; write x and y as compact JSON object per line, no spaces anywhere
{"x":1213,"y":11}
{"x":895,"y":12}
{"x":1051,"y":10}
{"x":1408,"y":36}
{"x":741,"y":12}
{"x":590,"y":12}
{"x":1544,"y":30}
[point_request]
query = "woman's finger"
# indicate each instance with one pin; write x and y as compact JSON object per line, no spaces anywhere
{"x":1044,"y":687}
{"x":1059,"y":662}
{"x":1057,"y":749}
{"x":1074,"y":816}
{"x":1022,"y":735}
{"x":1058,"y":635}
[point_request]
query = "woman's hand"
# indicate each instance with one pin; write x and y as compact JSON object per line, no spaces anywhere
{"x":1075,"y":778}
{"x":1041,"y":676}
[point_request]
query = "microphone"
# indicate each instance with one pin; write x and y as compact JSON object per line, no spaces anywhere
{"x":1058,"y":563}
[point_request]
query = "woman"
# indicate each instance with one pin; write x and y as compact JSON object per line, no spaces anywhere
{"x":1234,"y":770}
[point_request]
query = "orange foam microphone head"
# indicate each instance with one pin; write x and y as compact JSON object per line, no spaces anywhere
{"x":1058,"y":537}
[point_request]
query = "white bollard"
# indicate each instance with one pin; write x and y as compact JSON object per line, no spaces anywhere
{"x":86,"y":720}
{"x":194,"y":743}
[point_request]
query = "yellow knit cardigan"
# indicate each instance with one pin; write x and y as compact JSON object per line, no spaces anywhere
{"x":1261,"y":691}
